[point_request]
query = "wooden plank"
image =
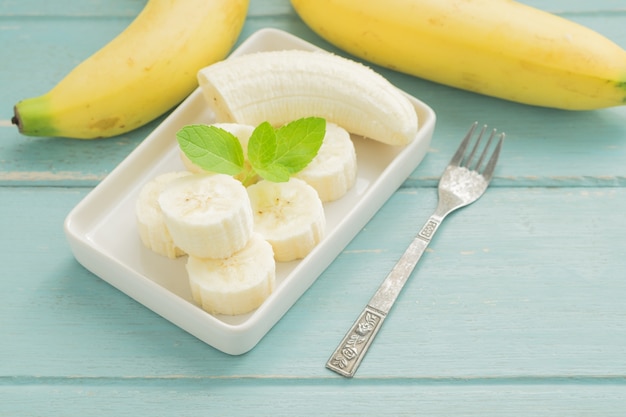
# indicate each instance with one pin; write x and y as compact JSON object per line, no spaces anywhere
{"x":276,"y":398}
{"x":522,"y":294}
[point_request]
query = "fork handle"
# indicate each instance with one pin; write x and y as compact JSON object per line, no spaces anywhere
{"x":350,"y":352}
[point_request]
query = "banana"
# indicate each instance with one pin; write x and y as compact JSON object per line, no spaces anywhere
{"x":289,"y":215}
{"x":145,"y":71}
{"x":239,"y":130}
{"x":150,"y":222}
{"x":281,"y":86}
{"x":333,"y":170}
{"x":237,"y":284}
{"x":207,"y":215}
{"x":499,"y":48}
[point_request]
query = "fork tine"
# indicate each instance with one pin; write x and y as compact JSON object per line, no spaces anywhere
{"x":458,"y":155}
{"x":468,"y":160}
{"x":491,"y":165}
{"x":485,"y":150}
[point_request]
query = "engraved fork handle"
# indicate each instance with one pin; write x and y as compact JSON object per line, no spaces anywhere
{"x":347,"y":357}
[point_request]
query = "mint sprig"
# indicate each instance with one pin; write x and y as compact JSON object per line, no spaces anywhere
{"x":211,"y":147}
{"x":273,"y":154}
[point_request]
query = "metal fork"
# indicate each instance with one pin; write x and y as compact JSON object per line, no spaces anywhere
{"x":463,"y":181}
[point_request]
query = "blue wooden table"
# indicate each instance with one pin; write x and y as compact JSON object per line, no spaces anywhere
{"x":518,"y":308}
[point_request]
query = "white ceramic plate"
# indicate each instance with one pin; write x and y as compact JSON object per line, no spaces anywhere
{"x":103,"y":237}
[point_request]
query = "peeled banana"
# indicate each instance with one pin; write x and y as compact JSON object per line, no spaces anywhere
{"x":150,"y":220}
{"x":207,"y":215}
{"x":145,"y":71}
{"x":237,"y":284}
{"x":333,"y":170}
{"x":289,"y":215}
{"x":282,"y":86}
{"x":499,"y":48}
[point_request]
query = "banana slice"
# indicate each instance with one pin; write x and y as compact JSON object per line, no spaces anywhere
{"x":281,"y":86}
{"x":150,"y":222}
{"x":237,"y":284}
{"x":240,"y":130}
{"x":289,"y":215}
{"x":207,"y":215}
{"x":333,"y":170}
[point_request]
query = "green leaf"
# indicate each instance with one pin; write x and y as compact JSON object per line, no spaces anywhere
{"x":211,"y":148}
{"x":262,"y":147}
{"x":275,"y":154}
{"x":274,"y":173}
{"x":298,"y":142}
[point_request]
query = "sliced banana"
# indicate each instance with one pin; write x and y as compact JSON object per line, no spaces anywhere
{"x":237,"y":284}
{"x":289,"y":215}
{"x":208,"y":216}
{"x":281,"y":86}
{"x":333,"y":170}
{"x":150,"y":221}
{"x":239,"y":130}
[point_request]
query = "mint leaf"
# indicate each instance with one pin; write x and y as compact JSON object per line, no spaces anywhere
{"x":211,"y":148}
{"x":274,"y":173}
{"x":262,"y":147}
{"x":298,"y":142}
{"x":275,"y":154}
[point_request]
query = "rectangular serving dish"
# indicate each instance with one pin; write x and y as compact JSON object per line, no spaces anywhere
{"x":103,"y":236}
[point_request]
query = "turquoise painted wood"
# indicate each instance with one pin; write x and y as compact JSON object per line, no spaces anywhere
{"x":517,"y":307}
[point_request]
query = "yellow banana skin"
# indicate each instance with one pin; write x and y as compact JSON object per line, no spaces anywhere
{"x":145,"y":71}
{"x":499,"y":48}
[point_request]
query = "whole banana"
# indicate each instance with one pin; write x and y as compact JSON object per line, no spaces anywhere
{"x":145,"y":71}
{"x":499,"y":48}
